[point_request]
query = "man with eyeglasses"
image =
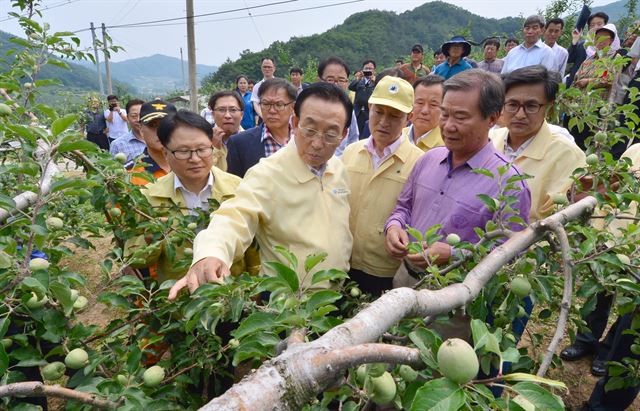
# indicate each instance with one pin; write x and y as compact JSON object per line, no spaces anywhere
{"x":268,"y":68}
{"x":227,"y":108}
{"x":132,"y":144}
{"x":334,"y":70}
{"x":187,"y":144}
{"x":153,"y":160}
{"x":378,"y":167}
{"x":528,"y":141}
{"x":443,"y":187}
{"x":245,"y":149}
{"x":297,"y":198}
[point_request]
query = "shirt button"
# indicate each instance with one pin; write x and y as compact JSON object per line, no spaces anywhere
{"x":441,"y":193}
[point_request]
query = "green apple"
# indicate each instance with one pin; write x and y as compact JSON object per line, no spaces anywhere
{"x":153,"y":376}
{"x":77,"y":358}
{"x":457,"y":361}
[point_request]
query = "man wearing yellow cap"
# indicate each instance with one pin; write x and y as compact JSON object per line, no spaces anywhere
{"x":378,"y":167}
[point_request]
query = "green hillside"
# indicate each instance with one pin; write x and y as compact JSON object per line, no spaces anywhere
{"x":615,"y":10}
{"x":77,"y":78}
{"x":380,"y":35}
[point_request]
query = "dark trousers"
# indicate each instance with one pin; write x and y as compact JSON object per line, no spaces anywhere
{"x":597,"y":322}
{"x":619,"y":399}
{"x":370,"y":283}
{"x":101,"y":140}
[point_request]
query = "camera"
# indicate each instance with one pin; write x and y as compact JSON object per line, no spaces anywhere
{"x":112,"y":106}
{"x":367,"y":73}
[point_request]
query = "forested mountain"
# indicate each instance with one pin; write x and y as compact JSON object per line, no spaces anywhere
{"x":76,"y":78}
{"x":380,"y":35}
{"x":156,"y":74}
{"x":615,"y":10}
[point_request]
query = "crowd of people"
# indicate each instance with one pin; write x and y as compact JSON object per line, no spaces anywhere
{"x":315,"y":168}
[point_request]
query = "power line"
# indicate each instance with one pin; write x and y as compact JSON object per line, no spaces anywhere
{"x":53,"y":6}
{"x":254,"y":23}
{"x":151,"y":23}
{"x":254,"y":15}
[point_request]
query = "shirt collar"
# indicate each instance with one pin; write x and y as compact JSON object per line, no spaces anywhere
{"x":538,"y":44}
{"x":476,"y":161}
{"x":388,"y":150}
{"x":266,"y":134}
{"x":178,"y":184}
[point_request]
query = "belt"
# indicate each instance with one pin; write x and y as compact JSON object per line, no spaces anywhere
{"x":413,"y":273}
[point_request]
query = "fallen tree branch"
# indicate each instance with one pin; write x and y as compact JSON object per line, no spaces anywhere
{"x":567,"y":268}
{"x":290,"y":380}
{"x":39,"y":389}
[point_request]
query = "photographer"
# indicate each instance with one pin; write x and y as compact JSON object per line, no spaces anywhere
{"x":116,"y":119}
{"x":363,"y":85}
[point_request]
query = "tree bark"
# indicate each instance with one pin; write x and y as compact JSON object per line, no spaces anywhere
{"x":39,"y":389}
{"x":290,"y":380}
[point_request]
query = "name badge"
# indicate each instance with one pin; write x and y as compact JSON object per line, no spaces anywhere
{"x":341,"y":191}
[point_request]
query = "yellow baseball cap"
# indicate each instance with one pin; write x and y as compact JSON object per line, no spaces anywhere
{"x":393,"y":92}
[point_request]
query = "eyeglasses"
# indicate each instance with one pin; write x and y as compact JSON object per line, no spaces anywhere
{"x":203,"y":152}
{"x":279,"y":106}
{"x":327,"y":138}
{"x":529,"y":108}
{"x":336,"y":80}
{"x":231,"y":110}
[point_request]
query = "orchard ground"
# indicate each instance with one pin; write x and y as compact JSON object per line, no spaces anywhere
{"x":576,"y":375}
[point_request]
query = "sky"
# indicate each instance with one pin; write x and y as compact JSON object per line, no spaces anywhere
{"x":224,"y":35}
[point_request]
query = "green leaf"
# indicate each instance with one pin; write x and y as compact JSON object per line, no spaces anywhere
{"x":328,"y":275}
{"x":438,"y":395}
{"x":114,"y":300}
{"x":133,"y":360}
{"x":32,"y":284}
{"x":480,"y":333}
{"x":7,"y":202}
{"x":539,"y":397}
{"x":520,"y":376}
{"x":4,"y":360}
{"x":293,"y":260}
{"x":255,"y":322}
{"x":483,"y":171}
{"x":82,"y":145}
{"x":322,"y":298}
{"x":61,"y":124}
{"x":415,"y":234}
{"x":491,"y":204}
{"x":312,"y":260}
{"x":62,"y":293}
{"x":285,"y":273}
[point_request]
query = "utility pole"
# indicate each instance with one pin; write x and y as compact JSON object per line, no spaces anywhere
{"x":107,"y":68}
{"x":95,"y":55}
{"x":184,"y":84}
{"x":191,"y":54}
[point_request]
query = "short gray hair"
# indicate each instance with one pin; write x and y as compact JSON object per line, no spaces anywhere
{"x":534,"y":19}
{"x":488,"y":84}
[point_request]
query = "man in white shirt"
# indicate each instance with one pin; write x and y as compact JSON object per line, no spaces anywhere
{"x":116,"y":117}
{"x":268,"y":67}
{"x":552,"y":32}
{"x":532,"y":51}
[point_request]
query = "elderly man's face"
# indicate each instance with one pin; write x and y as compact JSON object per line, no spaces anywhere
{"x":464,"y":130}
{"x":336,"y":74}
{"x":194,"y":168}
{"x":529,"y":103}
{"x":268,"y":68}
{"x":227,"y":114}
{"x":133,"y":117}
{"x":490,"y":52}
{"x":275,"y":118}
{"x":319,"y":130}
{"x":531,"y":33}
{"x":426,"y":108}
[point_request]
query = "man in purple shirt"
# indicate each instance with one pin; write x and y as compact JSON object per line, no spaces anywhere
{"x":442,"y":188}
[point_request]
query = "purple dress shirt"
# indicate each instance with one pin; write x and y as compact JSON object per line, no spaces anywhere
{"x":436,"y":194}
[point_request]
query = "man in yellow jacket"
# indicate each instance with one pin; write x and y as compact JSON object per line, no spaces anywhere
{"x":378,"y":167}
{"x":187,"y":144}
{"x":296,"y":198}
{"x":424,"y":131}
{"x":528,"y":142}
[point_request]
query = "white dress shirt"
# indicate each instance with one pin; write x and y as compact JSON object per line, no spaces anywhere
{"x":195,"y":200}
